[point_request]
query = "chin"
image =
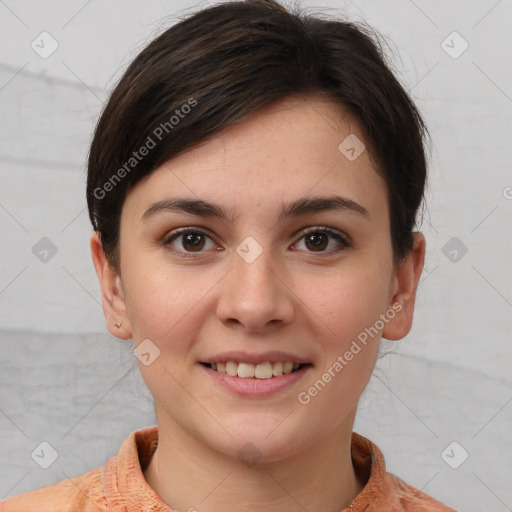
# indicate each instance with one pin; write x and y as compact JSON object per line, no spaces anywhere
{"x":262,"y":443}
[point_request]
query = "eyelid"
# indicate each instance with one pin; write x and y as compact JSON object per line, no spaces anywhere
{"x":175,"y":233}
{"x":178,"y":231}
{"x":344,"y":241}
{"x":325,"y":229}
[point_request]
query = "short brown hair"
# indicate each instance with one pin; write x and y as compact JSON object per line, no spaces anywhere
{"x":218,"y":66}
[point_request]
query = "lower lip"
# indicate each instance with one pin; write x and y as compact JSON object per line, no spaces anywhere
{"x":256,"y":387}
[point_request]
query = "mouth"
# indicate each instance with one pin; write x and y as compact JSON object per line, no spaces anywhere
{"x":261,"y":371}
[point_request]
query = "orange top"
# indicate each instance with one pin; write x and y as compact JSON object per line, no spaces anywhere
{"x":120,"y":485}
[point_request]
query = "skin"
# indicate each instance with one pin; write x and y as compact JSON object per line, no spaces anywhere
{"x":291,"y":298}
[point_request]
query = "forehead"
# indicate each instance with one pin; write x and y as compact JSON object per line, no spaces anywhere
{"x":294,"y":148}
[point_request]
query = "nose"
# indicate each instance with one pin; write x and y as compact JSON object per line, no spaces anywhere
{"x":255,"y":295}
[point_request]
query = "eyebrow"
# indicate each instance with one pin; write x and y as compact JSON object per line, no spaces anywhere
{"x":297,"y":208}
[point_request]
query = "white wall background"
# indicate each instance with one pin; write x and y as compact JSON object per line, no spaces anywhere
{"x":65,"y":380}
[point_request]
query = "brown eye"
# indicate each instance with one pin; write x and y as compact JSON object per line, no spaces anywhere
{"x":319,"y":239}
{"x":316,"y":241}
{"x":193,"y":241}
{"x":189,"y":241}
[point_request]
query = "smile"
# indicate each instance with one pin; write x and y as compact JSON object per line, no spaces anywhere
{"x":265,"y":370}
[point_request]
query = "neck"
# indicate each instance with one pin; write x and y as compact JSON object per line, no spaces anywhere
{"x":189,"y":475}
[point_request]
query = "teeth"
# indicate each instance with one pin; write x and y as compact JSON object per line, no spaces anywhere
{"x":231,"y":368}
{"x":245,"y":370}
{"x":277,"y":369}
{"x":265,"y":370}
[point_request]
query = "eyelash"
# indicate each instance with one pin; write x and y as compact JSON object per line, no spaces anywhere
{"x":167,"y":242}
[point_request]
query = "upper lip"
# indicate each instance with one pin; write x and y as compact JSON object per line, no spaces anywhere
{"x":253,"y":358}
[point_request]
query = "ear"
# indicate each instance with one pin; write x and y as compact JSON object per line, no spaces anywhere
{"x":404,"y":288}
{"x":113,"y":301}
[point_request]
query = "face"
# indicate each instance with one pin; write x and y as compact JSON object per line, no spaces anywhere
{"x":275,"y":249}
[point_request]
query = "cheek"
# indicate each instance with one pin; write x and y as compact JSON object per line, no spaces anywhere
{"x":160,"y":300}
{"x":349,"y":307}
{"x":347,"y":302}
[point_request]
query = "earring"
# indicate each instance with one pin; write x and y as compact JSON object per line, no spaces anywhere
{"x":118,"y":324}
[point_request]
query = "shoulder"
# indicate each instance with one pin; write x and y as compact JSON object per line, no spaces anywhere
{"x":119,"y":485}
{"x":384,"y":490}
{"x":80,"y":494}
{"x":411,"y":499}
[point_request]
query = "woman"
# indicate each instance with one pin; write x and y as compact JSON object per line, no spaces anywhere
{"x":253,"y":185}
